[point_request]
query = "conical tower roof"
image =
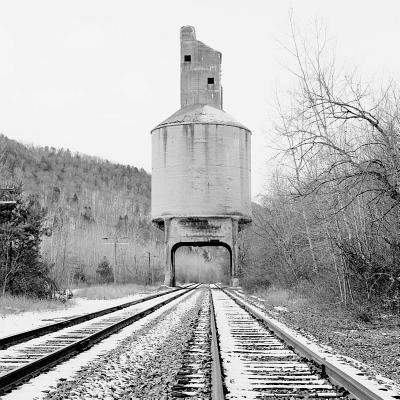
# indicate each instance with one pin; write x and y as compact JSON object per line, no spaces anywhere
{"x":200,"y":114}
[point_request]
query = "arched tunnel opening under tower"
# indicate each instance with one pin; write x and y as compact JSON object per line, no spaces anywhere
{"x":203,"y":262}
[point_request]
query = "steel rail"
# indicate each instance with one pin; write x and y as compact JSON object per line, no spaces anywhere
{"x":337,"y":375}
{"x":34,"y":368}
{"x":217,"y":385}
{"x":24,"y":336}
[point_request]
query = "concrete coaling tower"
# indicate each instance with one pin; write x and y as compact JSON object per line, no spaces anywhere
{"x":200,"y":189}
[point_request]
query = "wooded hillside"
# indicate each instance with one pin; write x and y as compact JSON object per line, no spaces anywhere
{"x":95,"y":209}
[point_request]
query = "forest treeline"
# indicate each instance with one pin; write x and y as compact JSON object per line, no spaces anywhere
{"x":94,"y":211}
{"x":91,"y":223}
{"x":328,"y":223}
{"x":329,"y":220}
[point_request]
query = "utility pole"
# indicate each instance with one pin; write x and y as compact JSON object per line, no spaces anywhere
{"x":115,"y":242}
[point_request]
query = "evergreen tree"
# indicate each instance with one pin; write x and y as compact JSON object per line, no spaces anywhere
{"x":104,"y":272}
{"x":21,"y":269}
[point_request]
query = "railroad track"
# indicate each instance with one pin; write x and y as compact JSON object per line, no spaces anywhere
{"x":238,"y":353}
{"x":20,"y":337}
{"x":234,"y":351}
{"x":25,"y":360}
{"x":261,"y":359}
{"x":247,"y":360}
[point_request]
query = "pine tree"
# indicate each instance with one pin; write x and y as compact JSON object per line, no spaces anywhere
{"x":104,"y":272}
{"x":21,"y":269}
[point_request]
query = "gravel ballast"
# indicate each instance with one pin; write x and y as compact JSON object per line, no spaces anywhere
{"x":375,"y":345}
{"x":144,"y":365}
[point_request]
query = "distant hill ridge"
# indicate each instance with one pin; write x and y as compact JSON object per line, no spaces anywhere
{"x":57,"y":173}
{"x":90,"y":204}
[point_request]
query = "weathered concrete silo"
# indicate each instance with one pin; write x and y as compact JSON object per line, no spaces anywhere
{"x":200,"y":162}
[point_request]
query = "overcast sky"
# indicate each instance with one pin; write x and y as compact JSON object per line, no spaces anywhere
{"x":95,"y":76}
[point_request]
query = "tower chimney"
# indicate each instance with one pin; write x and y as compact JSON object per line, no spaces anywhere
{"x":200,"y":71}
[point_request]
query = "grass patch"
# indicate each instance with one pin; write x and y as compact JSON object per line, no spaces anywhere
{"x":111,"y":291}
{"x":19,"y":304}
{"x":277,"y":297}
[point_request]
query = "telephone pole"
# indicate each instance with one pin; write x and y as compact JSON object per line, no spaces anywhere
{"x":115,"y":242}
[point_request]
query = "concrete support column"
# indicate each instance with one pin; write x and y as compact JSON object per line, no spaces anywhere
{"x":169,"y":270}
{"x":172,"y":261}
{"x":169,"y":273}
{"x":235,"y":254}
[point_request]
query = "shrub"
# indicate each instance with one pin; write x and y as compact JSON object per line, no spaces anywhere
{"x":32,"y":281}
{"x":104,"y":272}
{"x":255,"y":277}
{"x":79,"y":275}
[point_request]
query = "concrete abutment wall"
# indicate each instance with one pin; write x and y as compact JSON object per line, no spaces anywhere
{"x":200,"y":231}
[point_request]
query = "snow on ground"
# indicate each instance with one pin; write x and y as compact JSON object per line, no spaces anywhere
{"x":38,"y":387}
{"x":13,"y":323}
{"x":380,"y":386}
{"x":232,"y":363}
{"x":281,"y":308}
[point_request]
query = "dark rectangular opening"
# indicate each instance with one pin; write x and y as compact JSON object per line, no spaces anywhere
{"x":188,"y":58}
{"x":210,"y":81}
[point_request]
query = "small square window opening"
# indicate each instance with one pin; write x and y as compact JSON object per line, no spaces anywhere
{"x":210,"y":81}
{"x":188,"y":58}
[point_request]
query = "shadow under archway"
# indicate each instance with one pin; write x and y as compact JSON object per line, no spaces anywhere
{"x":212,"y":243}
